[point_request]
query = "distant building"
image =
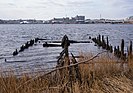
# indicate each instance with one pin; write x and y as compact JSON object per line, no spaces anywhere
{"x":80,"y":19}
{"x":73,"y":20}
{"x":47,"y":22}
{"x":131,"y":18}
{"x":66,"y":20}
{"x":1,"y":21}
{"x":114,"y":21}
{"x":96,"y":21}
{"x":24,"y":22}
{"x":57,"y":20}
{"x":89,"y":21}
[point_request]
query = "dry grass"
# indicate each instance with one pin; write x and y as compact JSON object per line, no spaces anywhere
{"x":100,"y":75}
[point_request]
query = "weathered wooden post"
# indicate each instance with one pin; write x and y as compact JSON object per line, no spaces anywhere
{"x":103,"y":42}
{"x":99,"y":40}
{"x":65,"y":44}
{"x":89,"y":37}
{"x":76,"y":68}
{"x":111,"y":49}
{"x":130,"y":50}
{"x":122,"y":48}
{"x":115,"y":50}
{"x":94,"y":40}
{"x":64,"y":61}
{"x":36,"y":39}
{"x":130,"y":56}
{"x":107,"y":46}
{"x":15,"y":52}
{"x":21,"y":48}
{"x":118,"y":52}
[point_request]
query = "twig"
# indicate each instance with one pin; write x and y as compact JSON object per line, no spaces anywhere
{"x":62,"y":68}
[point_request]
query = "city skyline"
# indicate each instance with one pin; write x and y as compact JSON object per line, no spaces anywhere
{"x":47,"y":9}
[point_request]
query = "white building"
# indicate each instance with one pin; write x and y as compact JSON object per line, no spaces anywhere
{"x":24,"y":22}
{"x":130,"y":18}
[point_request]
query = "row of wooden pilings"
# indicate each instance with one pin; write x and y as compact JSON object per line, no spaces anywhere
{"x":73,"y":72}
{"x":103,"y":43}
{"x":118,"y":50}
{"x":25,"y":46}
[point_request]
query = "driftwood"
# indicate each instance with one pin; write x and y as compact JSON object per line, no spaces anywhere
{"x":57,"y":41}
{"x":14,"y":61}
{"x":51,"y":45}
{"x":71,"y":41}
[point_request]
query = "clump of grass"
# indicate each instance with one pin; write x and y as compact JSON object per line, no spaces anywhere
{"x":100,"y":75}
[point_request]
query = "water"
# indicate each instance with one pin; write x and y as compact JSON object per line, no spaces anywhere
{"x":35,"y":58}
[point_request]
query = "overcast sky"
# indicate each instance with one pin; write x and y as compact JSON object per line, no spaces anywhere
{"x":47,"y":9}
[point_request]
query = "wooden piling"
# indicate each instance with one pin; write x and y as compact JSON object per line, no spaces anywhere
{"x":111,"y":49}
{"x":130,"y":50}
{"x":115,"y":50}
{"x":94,"y":40}
{"x":21,"y":48}
{"x":99,"y":40}
{"x":122,"y":48}
{"x":65,"y":44}
{"x":36,"y":40}
{"x":118,"y":53}
{"x":76,"y":68}
{"x":89,"y":37}
{"x":107,"y":45}
{"x":103,"y":42}
{"x":15,"y":52}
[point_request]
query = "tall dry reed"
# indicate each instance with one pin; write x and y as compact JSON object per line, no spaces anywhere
{"x":100,"y":75}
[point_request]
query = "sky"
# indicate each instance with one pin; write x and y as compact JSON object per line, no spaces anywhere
{"x":48,"y":9}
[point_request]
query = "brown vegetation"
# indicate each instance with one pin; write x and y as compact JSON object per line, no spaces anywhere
{"x":99,"y":75}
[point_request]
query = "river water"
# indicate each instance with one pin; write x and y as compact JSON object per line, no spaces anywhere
{"x":37,"y":58}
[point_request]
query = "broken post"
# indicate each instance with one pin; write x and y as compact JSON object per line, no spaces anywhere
{"x":65,"y":43}
{"x":122,"y":48}
{"x":111,"y":49}
{"x":99,"y":40}
{"x":107,"y":46}
{"x":76,"y":68}
{"x":130,"y":50}
{"x":36,"y":40}
{"x":118,"y":52}
{"x":15,"y":52}
{"x":103,"y":42}
{"x":115,"y":50}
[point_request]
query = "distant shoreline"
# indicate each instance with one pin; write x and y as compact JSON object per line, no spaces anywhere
{"x":70,"y":24}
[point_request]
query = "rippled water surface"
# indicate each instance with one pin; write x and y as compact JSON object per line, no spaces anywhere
{"x":36,"y":57}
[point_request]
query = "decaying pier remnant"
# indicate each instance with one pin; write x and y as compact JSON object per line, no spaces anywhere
{"x":118,"y":51}
{"x":100,"y":42}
